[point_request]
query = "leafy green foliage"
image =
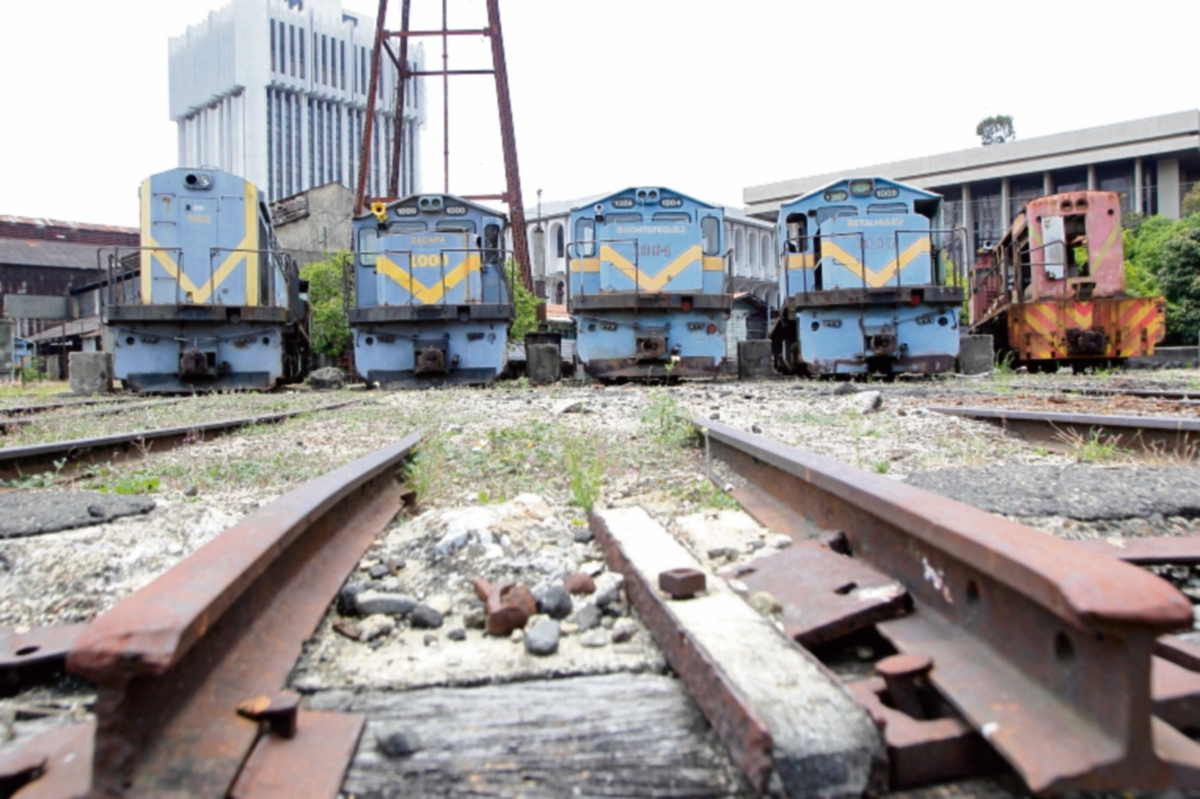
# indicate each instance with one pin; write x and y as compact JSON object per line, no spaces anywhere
{"x":665,"y":422}
{"x":1162,"y":256}
{"x":996,"y":129}
{"x":330,"y":328}
{"x":1191,"y":201}
{"x":585,"y":472}
{"x":525,"y":304}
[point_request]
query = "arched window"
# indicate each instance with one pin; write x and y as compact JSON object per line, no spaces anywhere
{"x":768,"y":257}
{"x":755,"y":271}
{"x":560,"y":244}
{"x":739,"y":251}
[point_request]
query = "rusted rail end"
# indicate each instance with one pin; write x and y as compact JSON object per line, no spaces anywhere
{"x":1044,"y":647}
{"x":174,"y":661}
{"x":787,"y":723}
{"x":1157,"y":435}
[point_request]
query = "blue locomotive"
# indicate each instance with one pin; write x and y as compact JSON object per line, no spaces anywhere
{"x":208,"y":301}
{"x":432,"y":297}
{"x":648,"y":287}
{"x":864,"y":284}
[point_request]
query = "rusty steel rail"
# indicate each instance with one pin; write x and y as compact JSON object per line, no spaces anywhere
{"x":85,"y":451}
{"x":1042,"y":647}
{"x":1171,"y":394}
{"x":27,"y":410}
{"x":11,"y":425}
{"x":1157,"y":435}
{"x":191,"y":668}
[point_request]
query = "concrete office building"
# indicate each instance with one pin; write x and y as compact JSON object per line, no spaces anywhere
{"x":1152,"y":163}
{"x":276,"y":91}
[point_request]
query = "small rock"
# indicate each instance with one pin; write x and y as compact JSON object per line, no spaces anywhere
{"x":845,"y":388}
{"x":779,"y":541}
{"x":624,"y":630}
{"x":766,"y":604}
{"x":441,"y":603}
{"x":555,"y":602}
{"x":899,"y":454}
{"x":571,"y":406}
{"x":582,"y":535}
{"x":616,"y":609}
{"x":542,"y":638}
{"x":423,"y":616}
{"x":398,"y":744}
{"x":379,"y":570}
{"x":475,"y":618}
{"x":756,"y":428}
{"x":607,"y":622}
{"x":587,"y":617}
{"x":327,"y":379}
{"x":594,"y":638}
{"x":431,"y":639}
{"x":738,"y":587}
{"x":96,"y":511}
{"x":517,"y":636}
{"x":568,"y":628}
{"x":457,"y":634}
{"x":608,"y":588}
{"x":722,"y":553}
{"x":579,"y":583}
{"x":373,"y":627}
{"x":714,"y":416}
{"x":756,"y":544}
{"x":592,"y":568}
{"x":370,"y":602}
{"x":869,"y":402}
{"x":346,"y":604}
{"x":349,"y":629}
{"x":191,"y":491}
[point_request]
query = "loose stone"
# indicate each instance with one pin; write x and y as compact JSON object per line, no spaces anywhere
{"x":475,"y":618}
{"x":624,"y":630}
{"x":582,"y":535}
{"x":587,"y":617}
{"x":431,"y":639}
{"x":766,"y":604}
{"x":608,"y":588}
{"x":542,"y":638}
{"x":594,"y":638}
{"x":398,"y":744}
{"x":373,"y":627}
{"x":780,"y":541}
{"x":370,"y":602}
{"x":457,"y":634}
{"x":579,"y":583}
{"x":425,"y":617}
{"x":555,"y":602}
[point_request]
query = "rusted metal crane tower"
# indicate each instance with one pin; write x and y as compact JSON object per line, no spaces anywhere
{"x":383,"y":37}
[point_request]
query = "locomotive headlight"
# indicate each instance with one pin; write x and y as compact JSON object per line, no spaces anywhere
{"x":861,"y":188}
{"x":197,"y":180}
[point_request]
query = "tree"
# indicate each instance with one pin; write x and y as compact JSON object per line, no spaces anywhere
{"x":996,"y":129}
{"x":1191,"y":201}
{"x":330,"y":328}
{"x":525,"y":305}
{"x":1179,"y":276}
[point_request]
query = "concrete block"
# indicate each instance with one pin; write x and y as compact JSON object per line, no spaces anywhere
{"x":1167,"y":358}
{"x":90,"y":372}
{"x":543,"y":363}
{"x":54,"y":367}
{"x":976,"y":355}
{"x":790,"y":724}
{"x":6,"y":346}
{"x":754,"y":359}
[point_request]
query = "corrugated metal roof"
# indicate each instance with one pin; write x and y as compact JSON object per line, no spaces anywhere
{"x":54,"y":254}
{"x":43,"y":222}
{"x":87,"y":327}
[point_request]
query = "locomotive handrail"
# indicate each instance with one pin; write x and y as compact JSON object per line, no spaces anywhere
{"x":637,"y":266}
{"x":114,"y":253}
{"x":273,"y":256}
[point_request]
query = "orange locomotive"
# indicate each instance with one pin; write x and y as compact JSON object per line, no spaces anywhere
{"x":1053,"y":290}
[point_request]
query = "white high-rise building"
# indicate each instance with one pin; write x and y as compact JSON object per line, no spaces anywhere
{"x":276,"y":91}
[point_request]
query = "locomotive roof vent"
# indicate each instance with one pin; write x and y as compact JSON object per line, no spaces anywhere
{"x":430,"y":204}
{"x":197,"y":180}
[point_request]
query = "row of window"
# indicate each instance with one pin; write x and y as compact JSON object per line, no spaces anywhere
{"x":328,"y":58}
{"x":585,"y":234}
{"x":332,"y":132}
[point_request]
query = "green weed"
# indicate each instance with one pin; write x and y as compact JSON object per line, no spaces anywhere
{"x":881,"y":467}
{"x":665,"y":422}
{"x":585,"y":472}
{"x":1094,"y":448}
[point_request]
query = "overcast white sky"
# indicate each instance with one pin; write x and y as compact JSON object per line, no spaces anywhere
{"x":705,"y":96}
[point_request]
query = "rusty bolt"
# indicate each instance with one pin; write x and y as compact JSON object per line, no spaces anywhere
{"x":278,"y":711}
{"x":904,"y":676}
{"x":682,"y":583}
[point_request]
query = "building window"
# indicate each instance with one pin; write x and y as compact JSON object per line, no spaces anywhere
{"x":274,"y":68}
{"x":287,"y":159}
{"x":324,"y":59}
{"x":282,"y":48}
{"x":292,"y":48}
{"x":342,"y":65}
{"x":559,"y":244}
{"x":362,"y":65}
{"x":302,"y":54}
{"x":270,"y":139}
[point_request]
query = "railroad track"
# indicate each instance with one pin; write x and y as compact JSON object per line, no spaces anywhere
{"x":1035,"y":645}
{"x":80,"y":452}
{"x":15,"y":423}
{"x":29,"y":410}
{"x":191,"y":668}
{"x":1163,"y":436}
